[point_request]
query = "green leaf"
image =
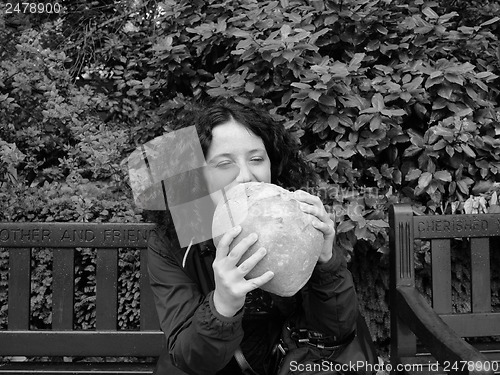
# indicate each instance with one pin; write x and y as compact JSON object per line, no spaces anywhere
{"x":430,"y":13}
{"x":413,"y":174}
{"x":445,"y":92}
{"x":362,"y":120}
{"x":319,"y":125}
{"x":375,"y":122}
{"x":472,"y":93}
{"x":482,"y":164}
{"x":328,"y":100}
{"x":463,"y":187}
{"x":333,"y":122}
{"x":491,"y":21}
{"x":378,"y":102}
{"x":443,"y":176}
{"x":382,"y":30}
{"x":439,"y":103}
{"x":345,"y":226}
{"x":315,"y":95}
{"x":433,"y":81}
{"x":414,"y":84}
{"x":338,"y":70}
{"x":453,"y":78}
{"x":460,"y":68}
{"x":466,"y":148}
{"x":285,"y":31}
{"x":378,"y":223}
{"x":307,"y":106}
{"x":355,"y":62}
{"x":364,"y":234}
{"x":443,"y":132}
{"x":300,"y":85}
{"x":238,"y":33}
{"x":446,"y":17}
{"x":412,"y":151}
{"x":346,"y":243}
{"x":450,"y":150}
{"x":333,"y":163}
{"x":482,"y":187}
{"x":486,"y":75}
{"x":424,"y":180}
{"x":416,"y":138}
{"x":439,"y":145}
{"x":319,"y":154}
{"x":393,"y":112}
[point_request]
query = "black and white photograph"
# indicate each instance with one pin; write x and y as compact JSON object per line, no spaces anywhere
{"x":250,"y":187}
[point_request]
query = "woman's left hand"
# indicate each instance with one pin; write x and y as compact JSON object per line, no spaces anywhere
{"x":322,"y":221}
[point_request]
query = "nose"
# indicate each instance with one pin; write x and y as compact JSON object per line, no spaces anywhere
{"x":245,"y":174}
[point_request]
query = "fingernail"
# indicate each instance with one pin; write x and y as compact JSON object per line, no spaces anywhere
{"x":253,"y":236}
{"x":262,"y":250}
{"x":237,"y":228}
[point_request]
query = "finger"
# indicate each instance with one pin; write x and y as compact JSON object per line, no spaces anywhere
{"x":226,"y":240}
{"x":309,"y":200}
{"x":304,"y":196}
{"x":327,"y":228}
{"x":237,"y":252}
{"x":318,"y":212}
{"x":257,"y":282}
{"x":246,"y":266}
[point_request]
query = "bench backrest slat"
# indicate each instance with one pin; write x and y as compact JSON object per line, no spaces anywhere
{"x":441,"y":276}
{"x":474,"y":325}
{"x":63,"y":286}
{"x":149,"y":317}
{"x":106,"y":289}
{"x":480,"y":275}
{"x":19,"y":288}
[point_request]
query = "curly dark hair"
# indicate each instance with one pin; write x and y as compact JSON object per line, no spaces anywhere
{"x":288,"y":168}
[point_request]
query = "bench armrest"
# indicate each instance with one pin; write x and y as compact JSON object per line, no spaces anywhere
{"x":440,"y":339}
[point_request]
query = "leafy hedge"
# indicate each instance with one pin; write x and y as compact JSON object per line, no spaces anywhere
{"x":391,"y":101}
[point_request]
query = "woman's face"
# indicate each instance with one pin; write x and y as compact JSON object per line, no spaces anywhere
{"x":236,"y":155}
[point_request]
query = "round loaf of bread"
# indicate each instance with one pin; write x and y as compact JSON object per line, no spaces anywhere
{"x":293,"y":245}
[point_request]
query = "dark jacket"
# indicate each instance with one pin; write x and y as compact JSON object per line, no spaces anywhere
{"x":201,"y":341}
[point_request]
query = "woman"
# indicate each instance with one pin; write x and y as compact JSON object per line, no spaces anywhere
{"x":215,"y":321}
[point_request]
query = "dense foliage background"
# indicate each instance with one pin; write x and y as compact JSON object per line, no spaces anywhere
{"x":391,"y":100}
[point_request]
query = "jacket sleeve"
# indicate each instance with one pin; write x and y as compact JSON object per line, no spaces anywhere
{"x":330,"y":302}
{"x":199,"y":339}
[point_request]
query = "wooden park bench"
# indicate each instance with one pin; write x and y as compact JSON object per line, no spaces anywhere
{"x":422,"y":335}
{"x":63,"y":340}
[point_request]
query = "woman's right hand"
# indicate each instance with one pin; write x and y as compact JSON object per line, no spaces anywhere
{"x":231,"y":287}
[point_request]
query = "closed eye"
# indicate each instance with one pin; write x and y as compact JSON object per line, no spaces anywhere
{"x":257,"y":159}
{"x":224,"y":164}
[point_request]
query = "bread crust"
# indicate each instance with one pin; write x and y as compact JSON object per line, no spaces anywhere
{"x":293,"y":245}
